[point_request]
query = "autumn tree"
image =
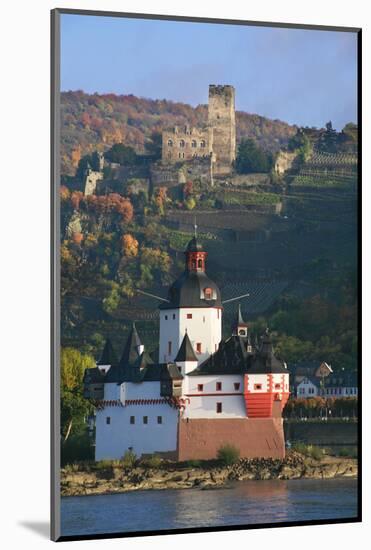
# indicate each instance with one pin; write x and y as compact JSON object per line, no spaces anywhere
{"x":129,"y":246}
{"x":76,"y":198}
{"x":74,"y":407}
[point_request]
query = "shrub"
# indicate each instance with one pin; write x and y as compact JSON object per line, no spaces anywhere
{"x":228,"y":454}
{"x":129,"y":459}
{"x":153,"y":461}
{"x":308,"y":450}
{"x":193,"y":463}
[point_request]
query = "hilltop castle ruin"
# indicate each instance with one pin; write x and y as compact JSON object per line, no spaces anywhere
{"x":215,"y":141}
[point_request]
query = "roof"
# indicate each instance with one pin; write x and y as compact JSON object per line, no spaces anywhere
{"x":108,"y":356}
{"x":342,"y":380}
{"x":265,"y":361}
{"x":230,"y":358}
{"x":132,"y":347}
{"x":312,"y":379}
{"x":188,"y":291}
{"x":186,"y":352}
{"x":239,"y":321}
{"x":194,"y":245}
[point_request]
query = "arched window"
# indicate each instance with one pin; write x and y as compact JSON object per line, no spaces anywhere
{"x":194,"y":143}
{"x":208,"y":293}
{"x":203,"y":143}
{"x":170,"y":142}
{"x":199,"y":263}
{"x":194,"y":264}
{"x":182,"y":143}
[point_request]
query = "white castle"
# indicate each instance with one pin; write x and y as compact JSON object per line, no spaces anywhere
{"x":202,"y":393}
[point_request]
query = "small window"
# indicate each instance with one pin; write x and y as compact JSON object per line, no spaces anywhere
{"x":218,"y":386}
{"x":199,"y":264}
{"x":165,"y":317}
{"x":203,"y":143}
{"x":208,"y":293}
{"x":200,"y":387}
{"x":277,"y":386}
{"x":193,"y":264}
{"x":194,"y":143}
{"x":170,"y":142}
{"x":103,"y":371}
{"x":108,"y":420}
{"x":219,"y":407}
{"x":198,"y":347}
{"x":173,"y":315}
{"x":145,"y":419}
{"x":132,"y":420}
{"x":159,"y":420}
{"x":236,"y":386}
{"x":189,"y":315}
{"x":257,"y":386}
{"x":182,"y":143}
{"x":169,"y":348}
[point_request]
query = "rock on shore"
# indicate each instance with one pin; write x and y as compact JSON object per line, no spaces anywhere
{"x":89,"y":480}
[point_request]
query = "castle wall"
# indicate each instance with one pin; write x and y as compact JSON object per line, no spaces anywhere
{"x":203,"y":403}
{"x":181,"y":144}
{"x":255,"y":438}
{"x":204,"y":327}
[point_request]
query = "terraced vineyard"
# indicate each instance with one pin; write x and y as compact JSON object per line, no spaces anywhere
{"x":328,"y":170}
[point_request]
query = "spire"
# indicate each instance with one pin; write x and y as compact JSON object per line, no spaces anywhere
{"x":133,"y":348}
{"x":186,"y":352}
{"x":239,"y":327}
{"x":108,"y":356}
{"x":266,"y":346}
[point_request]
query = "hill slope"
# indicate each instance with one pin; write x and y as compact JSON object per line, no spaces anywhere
{"x":94,"y":122}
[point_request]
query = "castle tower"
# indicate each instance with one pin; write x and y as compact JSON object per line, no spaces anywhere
{"x":194,"y":307}
{"x":221,"y":118}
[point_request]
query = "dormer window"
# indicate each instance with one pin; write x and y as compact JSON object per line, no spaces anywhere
{"x":208,"y":292}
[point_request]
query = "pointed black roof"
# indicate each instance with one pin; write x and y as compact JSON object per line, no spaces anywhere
{"x":230,"y":358}
{"x":108,"y":356}
{"x":239,"y":321}
{"x":132,"y":347}
{"x":186,"y":352}
{"x":265,"y":362}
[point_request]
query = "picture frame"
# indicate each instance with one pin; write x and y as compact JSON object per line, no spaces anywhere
{"x":195,"y":254}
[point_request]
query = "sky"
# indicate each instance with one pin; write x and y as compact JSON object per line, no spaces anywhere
{"x":303,"y":77}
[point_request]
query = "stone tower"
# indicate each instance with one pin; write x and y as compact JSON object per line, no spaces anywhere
{"x":221,"y":118}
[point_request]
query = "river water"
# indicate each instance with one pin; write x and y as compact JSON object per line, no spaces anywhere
{"x":244,"y":503}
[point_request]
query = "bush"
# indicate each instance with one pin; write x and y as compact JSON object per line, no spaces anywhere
{"x":153,"y":461}
{"x":129,"y":459}
{"x":348,"y":452}
{"x":228,"y":454}
{"x":308,"y":450}
{"x":193,"y":463}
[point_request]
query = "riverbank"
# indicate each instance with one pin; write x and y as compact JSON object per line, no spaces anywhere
{"x":95,"y":479}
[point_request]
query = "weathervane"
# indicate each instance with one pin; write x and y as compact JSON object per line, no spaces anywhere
{"x":195,"y":227}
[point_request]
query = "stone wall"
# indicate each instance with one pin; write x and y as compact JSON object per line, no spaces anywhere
{"x":284,"y":161}
{"x":258,"y":437}
{"x":221,"y":118}
{"x":186,"y":143}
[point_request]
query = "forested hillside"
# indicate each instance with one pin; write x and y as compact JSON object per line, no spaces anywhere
{"x":95,"y":122}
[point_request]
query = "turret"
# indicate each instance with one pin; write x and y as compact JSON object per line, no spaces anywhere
{"x":108,"y":358}
{"x":186,"y":358}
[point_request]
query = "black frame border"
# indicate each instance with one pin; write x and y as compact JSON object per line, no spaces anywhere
{"x":55,"y":272}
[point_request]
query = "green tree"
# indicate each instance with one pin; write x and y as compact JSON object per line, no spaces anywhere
{"x":122,"y":154}
{"x":250,"y":158}
{"x":74,"y":407}
{"x":154,"y":145}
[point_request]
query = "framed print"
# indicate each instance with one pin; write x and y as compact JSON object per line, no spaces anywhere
{"x":205,"y":210}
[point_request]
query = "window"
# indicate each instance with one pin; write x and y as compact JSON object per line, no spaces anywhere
{"x":193,"y":264}
{"x":236,"y":386}
{"x":189,"y":315}
{"x":198,"y":347}
{"x":257,"y":386}
{"x":159,"y":420}
{"x":219,"y":407}
{"x":277,"y":386}
{"x":182,"y":143}
{"x":194,"y":144}
{"x":169,"y":348}
{"x":145,"y":419}
{"x":199,"y":263}
{"x":180,"y":155}
{"x":108,"y":420}
{"x":103,"y":371}
{"x":170,"y":142}
{"x":200,"y":387}
{"x":173,"y":315}
{"x":218,"y":386}
{"x":165,"y":317}
{"x":208,"y":293}
{"x":203,"y":143}
{"x":132,"y":420}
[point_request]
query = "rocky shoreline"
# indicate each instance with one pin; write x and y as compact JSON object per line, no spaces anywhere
{"x":115,"y":478}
